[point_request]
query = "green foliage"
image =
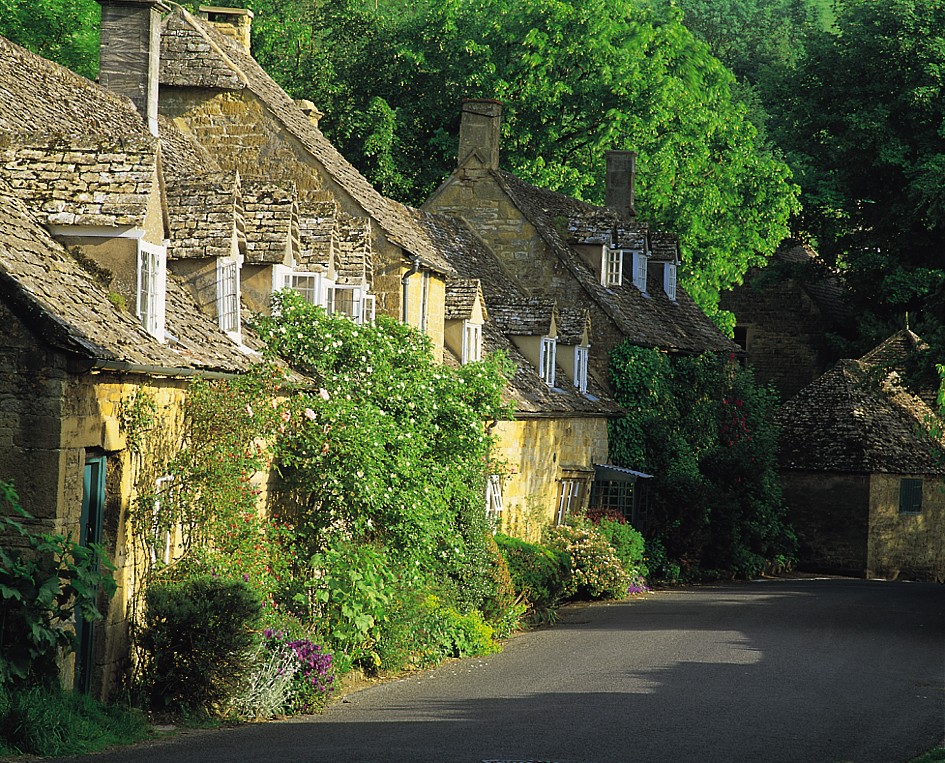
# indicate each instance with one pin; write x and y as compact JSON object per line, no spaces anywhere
{"x":539,"y":574}
{"x":48,"y":721}
{"x":392,"y":449}
{"x":595,"y":570}
{"x":196,"y":635}
{"x":705,"y":430}
{"x":861,"y":121}
{"x":46,"y":580}
{"x":64,"y":31}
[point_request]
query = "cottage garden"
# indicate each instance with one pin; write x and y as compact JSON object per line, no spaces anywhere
{"x":375,"y":556}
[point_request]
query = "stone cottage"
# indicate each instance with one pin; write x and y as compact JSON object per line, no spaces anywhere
{"x":608,"y":276}
{"x":863,"y":466}
{"x":545,"y":457}
{"x":789,"y":318}
{"x":599,"y":259}
{"x":92,"y":319}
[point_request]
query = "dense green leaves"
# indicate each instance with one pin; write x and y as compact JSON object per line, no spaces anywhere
{"x":65,"y":31}
{"x":704,"y":429}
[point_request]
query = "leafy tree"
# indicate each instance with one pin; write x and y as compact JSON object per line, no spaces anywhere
{"x":704,"y":429}
{"x":64,"y":31}
{"x":863,"y":119}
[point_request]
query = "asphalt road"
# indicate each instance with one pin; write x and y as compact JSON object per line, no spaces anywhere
{"x":800,"y":671}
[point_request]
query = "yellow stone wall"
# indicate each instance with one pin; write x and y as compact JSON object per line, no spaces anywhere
{"x":906,"y":545}
{"x":535,"y":452}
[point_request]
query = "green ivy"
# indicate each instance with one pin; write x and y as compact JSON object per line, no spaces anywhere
{"x":704,"y":428}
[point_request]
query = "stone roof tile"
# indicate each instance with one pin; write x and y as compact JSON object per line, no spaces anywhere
{"x":64,"y":303}
{"x":78,"y":180}
{"x":647,"y":320}
{"x":849,"y":420}
{"x":461,"y":295}
{"x":271,"y":218}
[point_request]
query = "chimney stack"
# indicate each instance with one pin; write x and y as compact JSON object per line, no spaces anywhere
{"x":310,"y":110}
{"x":479,"y":133}
{"x":233,"y":22}
{"x":130,"y":53}
{"x":621,"y":177}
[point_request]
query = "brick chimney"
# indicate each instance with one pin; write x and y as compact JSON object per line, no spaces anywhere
{"x":129,"y":52}
{"x":233,"y":22}
{"x":621,"y":176}
{"x":479,"y":134}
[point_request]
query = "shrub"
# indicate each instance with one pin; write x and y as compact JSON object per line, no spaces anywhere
{"x":596,"y":572}
{"x":45,"y":720}
{"x":196,"y":636}
{"x":288,"y":675}
{"x":628,"y":544}
{"x":538,"y":573}
{"x":44,"y":585}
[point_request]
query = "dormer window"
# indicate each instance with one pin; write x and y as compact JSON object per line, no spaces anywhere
{"x":547,"y":360}
{"x":472,"y":342}
{"x":228,"y":295}
{"x":352,"y":302}
{"x":580,"y":368}
{"x":613,"y":267}
{"x":669,"y":280}
{"x":152,"y":284}
{"x":639,"y":271}
{"x":314,"y":287}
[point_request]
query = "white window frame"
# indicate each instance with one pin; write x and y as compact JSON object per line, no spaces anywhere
{"x":639,"y":270}
{"x":494,"y":504}
{"x":472,"y":342}
{"x":546,"y":360}
{"x":163,"y":486}
{"x":570,"y":495}
{"x":669,"y":279}
{"x":151,"y":296}
{"x":581,"y":356}
{"x":362,"y":304}
{"x":613,"y":267}
{"x":284,"y":277}
{"x":228,"y":295}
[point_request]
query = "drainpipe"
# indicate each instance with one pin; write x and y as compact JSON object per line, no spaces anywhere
{"x":414,"y":269}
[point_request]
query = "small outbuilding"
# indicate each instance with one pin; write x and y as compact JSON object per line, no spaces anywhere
{"x":863,"y":469}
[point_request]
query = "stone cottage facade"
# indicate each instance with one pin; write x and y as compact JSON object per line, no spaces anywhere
{"x":584,"y":257}
{"x":545,"y":457}
{"x":863,"y":468}
{"x":92,"y":319}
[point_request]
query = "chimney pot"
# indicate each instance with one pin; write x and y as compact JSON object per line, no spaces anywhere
{"x":479,"y":133}
{"x":233,"y":22}
{"x":620,"y":180}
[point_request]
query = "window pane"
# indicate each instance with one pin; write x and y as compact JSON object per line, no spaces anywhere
{"x":910,"y":496}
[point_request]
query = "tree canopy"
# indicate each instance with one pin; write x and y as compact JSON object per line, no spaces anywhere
{"x":864,"y":124}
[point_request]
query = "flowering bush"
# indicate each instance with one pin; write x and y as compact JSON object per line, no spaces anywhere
{"x":596,"y":572}
{"x":288,"y":676}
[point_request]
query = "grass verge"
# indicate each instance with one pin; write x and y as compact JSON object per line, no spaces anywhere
{"x":50,"y":721}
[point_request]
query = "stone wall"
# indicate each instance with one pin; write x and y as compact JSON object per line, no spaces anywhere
{"x":536,"y":453}
{"x":830,"y":514}
{"x":786,"y":334}
{"x":908,"y":546}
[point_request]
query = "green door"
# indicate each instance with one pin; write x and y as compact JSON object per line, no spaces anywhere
{"x":93,"y":504}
